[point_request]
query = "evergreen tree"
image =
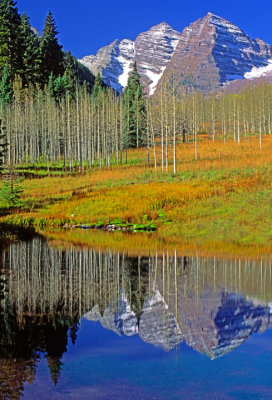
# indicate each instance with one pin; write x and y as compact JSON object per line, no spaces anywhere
{"x":73,"y":332}
{"x":10,"y":43}
{"x":98,"y":88}
{"x":30,"y":54}
{"x":134,"y":111}
{"x":70,"y":72}
{"x":51,"y":85}
{"x":61,"y":85}
{"x":51,"y":54}
{"x":83,"y":74}
{"x":5,"y":86}
{"x":55,"y":367}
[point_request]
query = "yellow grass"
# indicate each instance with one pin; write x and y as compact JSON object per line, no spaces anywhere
{"x":223,"y":197}
{"x":217,"y":156}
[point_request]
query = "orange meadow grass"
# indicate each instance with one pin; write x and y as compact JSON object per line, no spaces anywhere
{"x":136,"y":194}
{"x":211,"y":156}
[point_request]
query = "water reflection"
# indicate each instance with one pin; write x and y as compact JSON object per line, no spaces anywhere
{"x":213,"y":305}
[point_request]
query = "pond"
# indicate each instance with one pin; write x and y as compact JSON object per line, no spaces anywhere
{"x":82,"y":323}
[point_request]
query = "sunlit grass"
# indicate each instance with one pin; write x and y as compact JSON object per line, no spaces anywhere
{"x":224,"y":196}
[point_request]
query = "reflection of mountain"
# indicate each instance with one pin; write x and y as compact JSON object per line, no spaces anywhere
{"x":214,"y":325}
{"x":212,"y":305}
{"x":217,"y":324}
{"x":156,"y":325}
{"x":117,"y":317}
{"x":236,"y":320}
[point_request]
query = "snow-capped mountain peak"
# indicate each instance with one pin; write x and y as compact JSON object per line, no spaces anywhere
{"x":114,"y":62}
{"x":205,"y":56}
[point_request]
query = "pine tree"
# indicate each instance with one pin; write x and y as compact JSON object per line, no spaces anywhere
{"x":30,"y":53}
{"x":5,"y":86}
{"x":73,"y":333}
{"x":51,"y":54}
{"x":134,"y":111}
{"x":61,"y":85}
{"x":10,"y":43}
{"x":70,"y":73}
{"x":98,"y":88}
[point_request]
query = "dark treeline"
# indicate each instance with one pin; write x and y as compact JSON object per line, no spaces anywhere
{"x":33,"y":61}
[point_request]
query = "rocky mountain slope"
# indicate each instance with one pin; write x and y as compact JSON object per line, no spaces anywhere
{"x":257,"y":76}
{"x":205,"y":56}
{"x":153,"y":51}
{"x":213,"y":51}
{"x":114,"y":62}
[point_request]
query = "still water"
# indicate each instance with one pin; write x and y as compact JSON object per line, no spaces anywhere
{"x":86,"y":324}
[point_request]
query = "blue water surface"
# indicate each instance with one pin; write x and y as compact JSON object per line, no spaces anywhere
{"x":103,"y":365}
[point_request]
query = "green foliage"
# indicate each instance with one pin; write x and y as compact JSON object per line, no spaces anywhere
{"x":134,"y":111}
{"x":9,"y":36}
{"x":11,"y":189}
{"x":29,"y":53}
{"x":55,"y":367}
{"x":59,"y":86}
{"x":70,"y":74}
{"x":5,"y":86}
{"x":51,"y":54}
{"x":66,"y":84}
{"x":27,"y":60}
{"x":98,"y":88}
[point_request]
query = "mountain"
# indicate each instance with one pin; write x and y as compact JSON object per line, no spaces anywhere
{"x":213,"y":51}
{"x":206,"y":56}
{"x":153,"y":52}
{"x":257,"y":76}
{"x":114,"y":62}
{"x":213,"y":324}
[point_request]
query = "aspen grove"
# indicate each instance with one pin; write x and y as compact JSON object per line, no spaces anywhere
{"x":82,"y":131}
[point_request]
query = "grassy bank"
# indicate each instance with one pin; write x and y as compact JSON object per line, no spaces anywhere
{"x":223,"y":197}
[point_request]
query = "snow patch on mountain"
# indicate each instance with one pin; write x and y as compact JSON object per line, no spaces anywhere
{"x":127,"y":48}
{"x":259,"y":72}
{"x":154,"y":78}
{"x":114,"y":62}
{"x":153,"y":51}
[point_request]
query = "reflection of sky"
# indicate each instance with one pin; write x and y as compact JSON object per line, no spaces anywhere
{"x":103,"y":365}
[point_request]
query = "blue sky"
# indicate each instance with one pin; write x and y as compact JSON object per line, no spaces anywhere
{"x":87,"y":25}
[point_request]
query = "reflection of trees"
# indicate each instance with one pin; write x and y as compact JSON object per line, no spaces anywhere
{"x":21,"y":345}
{"x":135,"y":275}
{"x":45,"y":291}
{"x":13,"y":376}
